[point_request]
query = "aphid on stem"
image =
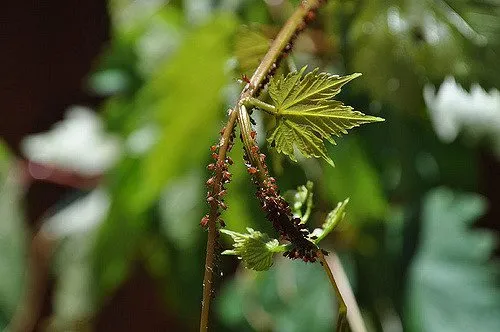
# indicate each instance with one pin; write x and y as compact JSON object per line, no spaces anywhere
{"x":252,"y":170}
{"x":222,"y":205}
{"x":210,"y":182}
{"x":204,"y":221}
{"x":245,"y":78}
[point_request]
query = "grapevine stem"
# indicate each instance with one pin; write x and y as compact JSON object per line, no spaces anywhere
{"x":269,"y":63}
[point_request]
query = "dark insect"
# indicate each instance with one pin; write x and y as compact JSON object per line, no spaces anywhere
{"x":245,"y":78}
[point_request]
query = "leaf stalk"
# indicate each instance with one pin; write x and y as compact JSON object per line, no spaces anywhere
{"x":255,"y":102}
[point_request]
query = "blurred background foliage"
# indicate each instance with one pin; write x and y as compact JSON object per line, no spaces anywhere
{"x":419,"y":238}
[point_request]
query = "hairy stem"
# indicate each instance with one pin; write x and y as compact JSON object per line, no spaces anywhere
{"x":213,"y":232}
{"x":279,"y":47}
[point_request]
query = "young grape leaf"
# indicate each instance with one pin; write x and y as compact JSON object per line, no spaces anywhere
{"x":256,"y":249}
{"x":331,"y":221}
{"x":299,"y":199}
{"x":306,"y":114}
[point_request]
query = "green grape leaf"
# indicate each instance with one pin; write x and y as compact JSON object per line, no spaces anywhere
{"x":256,"y":249}
{"x":300,"y":198}
{"x":331,"y":221}
{"x":250,"y":47}
{"x":306,"y":114}
{"x":453,"y":284}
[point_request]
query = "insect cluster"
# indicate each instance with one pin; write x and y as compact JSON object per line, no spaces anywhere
{"x":220,"y":177}
{"x":277,"y":209}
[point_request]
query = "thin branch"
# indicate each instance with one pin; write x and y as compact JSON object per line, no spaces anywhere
{"x":342,"y":307}
{"x":345,"y":295}
{"x":279,"y":47}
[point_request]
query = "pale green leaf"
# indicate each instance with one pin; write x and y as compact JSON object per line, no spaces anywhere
{"x":306,"y":114}
{"x":256,"y":249}
{"x":453,"y":282}
{"x":331,"y":221}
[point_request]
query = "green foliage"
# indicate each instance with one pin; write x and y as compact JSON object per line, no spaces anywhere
{"x":306,"y":114}
{"x":170,"y":74}
{"x":254,"y":248}
{"x":402,"y":45}
{"x":290,"y":297}
{"x":331,"y":221}
{"x":179,"y":87}
{"x":300,"y":199}
{"x":453,"y":285}
{"x":356,"y":177}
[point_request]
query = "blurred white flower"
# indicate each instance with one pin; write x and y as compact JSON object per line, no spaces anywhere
{"x":83,"y":215}
{"x":453,"y":110}
{"x":78,"y":143}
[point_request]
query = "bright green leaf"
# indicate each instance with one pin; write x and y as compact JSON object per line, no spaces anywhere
{"x":306,"y":114}
{"x":287,"y":135}
{"x":331,"y":221}
{"x":256,"y":249}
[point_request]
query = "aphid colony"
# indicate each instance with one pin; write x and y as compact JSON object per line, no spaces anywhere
{"x":278,"y":210}
{"x":220,"y":177}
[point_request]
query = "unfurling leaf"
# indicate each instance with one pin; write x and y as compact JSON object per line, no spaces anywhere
{"x":331,"y":221}
{"x":256,"y":249}
{"x":300,"y":198}
{"x":306,"y":113}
